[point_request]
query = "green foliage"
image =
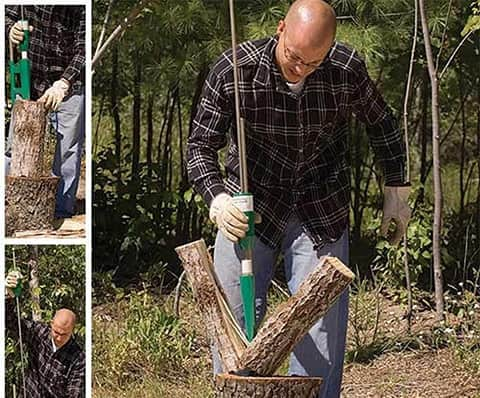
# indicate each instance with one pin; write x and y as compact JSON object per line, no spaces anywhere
{"x":147,"y":340}
{"x":473,"y":22}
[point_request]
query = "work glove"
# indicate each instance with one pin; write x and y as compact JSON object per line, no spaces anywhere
{"x":11,"y":282}
{"x":55,"y":94}
{"x":228,"y":218}
{"x":395,"y":208}
{"x":16,"y":32}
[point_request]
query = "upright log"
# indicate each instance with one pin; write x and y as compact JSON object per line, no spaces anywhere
{"x":292,"y":320}
{"x":30,"y":188}
{"x":218,"y":320}
{"x":29,"y":118}
{"x":232,"y":386}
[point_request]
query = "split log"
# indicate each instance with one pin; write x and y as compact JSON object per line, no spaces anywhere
{"x":30,"y":203}
{"x":232,"y":386}
{"x":29,"y":126}
{"x":219,"y":322}
{"x":292,"y":320}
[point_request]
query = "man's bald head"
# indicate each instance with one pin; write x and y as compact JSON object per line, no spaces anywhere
{"x":315,"y":20}
{"x":62,"y":326}
{"x":305,"y":36}
{"x":65,"y":318}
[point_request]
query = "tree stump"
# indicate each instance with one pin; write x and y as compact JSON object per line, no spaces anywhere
{"x":30,"y":203}
{"x":232,"y":386}
{"x":292,"y":320}
{"x":30,"y":191}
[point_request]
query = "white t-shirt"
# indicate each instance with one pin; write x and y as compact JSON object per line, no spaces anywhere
{"x":296,"y":87}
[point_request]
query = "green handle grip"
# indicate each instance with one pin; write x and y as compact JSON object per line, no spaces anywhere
{"x":17,"y":290}
{"x":244,"y":201}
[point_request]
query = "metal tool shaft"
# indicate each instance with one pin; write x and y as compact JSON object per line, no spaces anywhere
{"x":240,"y":123}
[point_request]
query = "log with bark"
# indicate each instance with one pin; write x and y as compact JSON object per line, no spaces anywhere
{"x":30,"y":189}
{"x":292,"y":319}
{"x":30,"y":203}
{"x":219,"y":322}
{"x":280,"y":333}
{"x":232,"y":386}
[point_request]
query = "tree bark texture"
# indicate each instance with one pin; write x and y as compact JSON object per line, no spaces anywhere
{"x":232,"y":386}
{"x":198,"y":263}
{"x":293,"y":319}
{"x":28,"y":139}
{"x":30,"y":203}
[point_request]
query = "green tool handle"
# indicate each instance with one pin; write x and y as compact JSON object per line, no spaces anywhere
{"x":244,"y":202}
{"x":23,"y":46}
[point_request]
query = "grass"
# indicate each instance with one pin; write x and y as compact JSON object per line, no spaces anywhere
{"x":141,"y":349}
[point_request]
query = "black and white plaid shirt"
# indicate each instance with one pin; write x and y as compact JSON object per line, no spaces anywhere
{"x":59,"y":374}
{"x":297,"y":145}
{"x":57,"y":44}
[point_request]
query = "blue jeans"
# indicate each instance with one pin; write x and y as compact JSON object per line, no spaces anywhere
{"x":69,"y":124}
{"x":321,"y":352}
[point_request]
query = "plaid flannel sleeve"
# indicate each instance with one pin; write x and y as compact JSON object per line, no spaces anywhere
{"x":76,"y":380}
{"x":77,"y":63}
{"x":11,"y":16}
{"x":382,"y":128}
{"x":207,"y":136}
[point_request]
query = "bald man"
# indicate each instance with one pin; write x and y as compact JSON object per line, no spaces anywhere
{"x":56,"y":363}
{"x":298,"y":89}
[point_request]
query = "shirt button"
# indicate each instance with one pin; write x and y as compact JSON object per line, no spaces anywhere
{"x":300,"y":150}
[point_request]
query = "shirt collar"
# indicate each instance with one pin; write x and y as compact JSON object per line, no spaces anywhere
{"x":268,"y":67}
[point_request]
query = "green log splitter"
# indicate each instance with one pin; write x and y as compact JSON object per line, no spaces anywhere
{"x":244,"y":201}
{"x":20,"y":72}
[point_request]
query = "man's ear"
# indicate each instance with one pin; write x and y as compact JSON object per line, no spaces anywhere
{"x":281,"y":26}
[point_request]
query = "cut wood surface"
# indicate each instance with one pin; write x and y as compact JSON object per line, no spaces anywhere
{"x":65,"y":228}
{"x":232,"y":386}
{"x":217,"y":318}
{"x":30,"y":203}
{"x":292,"y":319}
{"x":28,"y":139}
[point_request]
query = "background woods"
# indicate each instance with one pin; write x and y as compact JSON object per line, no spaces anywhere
{"x":147,"y":85}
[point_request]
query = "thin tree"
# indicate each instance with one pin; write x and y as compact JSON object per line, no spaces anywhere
{"x":437,"y":182}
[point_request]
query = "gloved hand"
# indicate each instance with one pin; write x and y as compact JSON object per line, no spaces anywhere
{"x":11,"y":282}
{"x":228,"y":218}
{"x":16,"y":32}
{"x":55,"y":94}
{"x":396,"y":208}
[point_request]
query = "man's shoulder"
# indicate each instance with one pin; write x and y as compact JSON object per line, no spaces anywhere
{"x":344,"y":57}
{"x":249,"y":54}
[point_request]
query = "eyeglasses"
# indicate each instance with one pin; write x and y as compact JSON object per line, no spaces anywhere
{"x":291,"y":57}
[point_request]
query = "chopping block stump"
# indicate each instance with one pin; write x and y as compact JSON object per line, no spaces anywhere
{"x":30,"y":189}
{"x":233,"y":386}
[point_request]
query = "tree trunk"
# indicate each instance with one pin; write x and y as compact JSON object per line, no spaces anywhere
{"x":462,"y":185}
{"x":34,"y":283}
{"x":293,"y":319}
{"x":150,"y":134}
{"x":232,"y":386}
{"x":437,"y":183}
{"x":116,"y":118}
{"x":218,"y":320}
{"x":136,"y":113}
{"x":29,"y":123}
